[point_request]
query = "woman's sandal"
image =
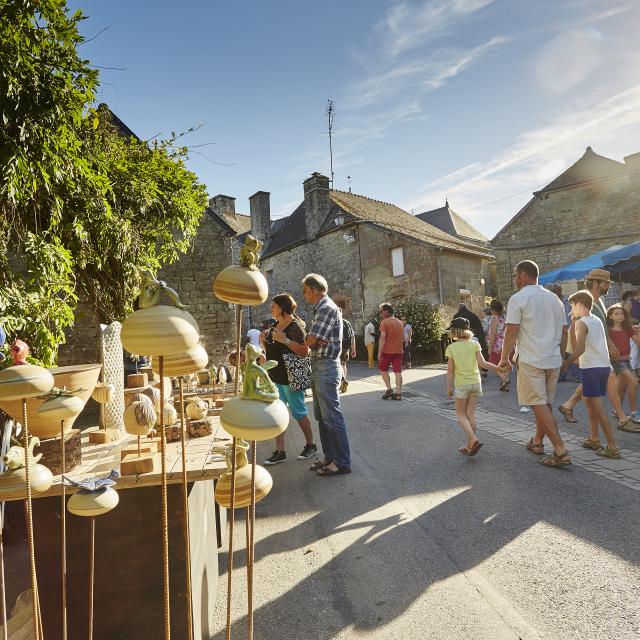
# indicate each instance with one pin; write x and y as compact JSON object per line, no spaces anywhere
{"x":536,"y":449}
{"x":505,"y":385}
{"x":318,"y":465}
{"x":556,"y":460}
{"x":476,"y":447}
{"x":464,"y":451}
{"x":608,"y":452}
{"x":324,"y":472}
{"x":388,"y":394}
{"x":591,"y":444}
{"x":567,"y":413}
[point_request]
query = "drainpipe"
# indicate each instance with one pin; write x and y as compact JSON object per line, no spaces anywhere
{"x":440,"y":277}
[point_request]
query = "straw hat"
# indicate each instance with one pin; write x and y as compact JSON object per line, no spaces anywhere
{"x":599,"y":274}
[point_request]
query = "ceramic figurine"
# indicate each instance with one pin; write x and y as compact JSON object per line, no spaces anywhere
{"x":20,"y":352}
{"x":197,"y":409}
{"x":159,"y":330}
{"x":15,"y":456}
{"x":243,"y":284}
{"x":139,"y":417}
{"x":95,"y":495}
{"x":170,"y":415}
{"x":256,"y":384}
{"x":103,"y":392}
{"x":183,"y":363}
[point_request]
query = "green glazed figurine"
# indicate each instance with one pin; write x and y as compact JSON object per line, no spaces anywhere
{"x":256,"y":383}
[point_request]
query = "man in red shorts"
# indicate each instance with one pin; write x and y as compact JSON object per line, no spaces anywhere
{"x":390,"y":350}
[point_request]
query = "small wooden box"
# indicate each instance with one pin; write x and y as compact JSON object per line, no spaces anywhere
{"x":137,"y":380}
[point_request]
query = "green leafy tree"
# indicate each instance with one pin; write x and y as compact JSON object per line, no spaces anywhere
{"x":426,"y":319}
{"x":82,"y":208}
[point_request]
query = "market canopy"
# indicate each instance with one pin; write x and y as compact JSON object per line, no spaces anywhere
{"x":578,"y":270}
{"x":625,"y":263}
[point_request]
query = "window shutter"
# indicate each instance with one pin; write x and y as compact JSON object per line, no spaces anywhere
{"x":397,"y":261}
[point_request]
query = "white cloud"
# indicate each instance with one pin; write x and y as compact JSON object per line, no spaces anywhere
{"x":408,"y":26}
{"x":419,"y":75}
{"x":531,"y":158}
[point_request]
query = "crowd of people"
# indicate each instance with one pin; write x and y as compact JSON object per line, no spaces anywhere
{"x":543,"y":336}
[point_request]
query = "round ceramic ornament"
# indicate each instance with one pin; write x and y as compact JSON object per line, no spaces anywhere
{"x":170,"y":415}
{"x":159,"y":331}
{"x":139,"y":417}
{"x":103,"y":392}
{"x":13,"y":483}
{"x":179,"y":365}
{"x":60,"y":407}
{"x":168,"y":390}
{"x":24,"y":381}
{"x":93,"y":503}
{"x":136,"y":397}
{"x":253,"y":419}
{"x":264,"y":482}
{"x":197,"y":409}
{"x":153,"y":393}
{"x":240,"y":285}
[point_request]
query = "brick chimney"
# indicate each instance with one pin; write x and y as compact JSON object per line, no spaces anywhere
{"x":633,"y":161}
{"x":260,"y":216}
{"x":223,"y":205}
{"x":316,"y":203}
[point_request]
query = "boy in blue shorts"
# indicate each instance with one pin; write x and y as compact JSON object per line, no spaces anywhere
{"x":589,"y":341}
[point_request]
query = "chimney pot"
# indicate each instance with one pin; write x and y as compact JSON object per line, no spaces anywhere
{"x":260,"y":209}
{"x":317,"y":203}
{"x":223,"y":205}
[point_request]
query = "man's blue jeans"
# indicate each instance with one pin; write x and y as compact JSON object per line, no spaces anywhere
{"x":326,"y":374}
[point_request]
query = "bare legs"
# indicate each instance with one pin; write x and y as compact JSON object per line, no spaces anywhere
{"x":466,"y":414}
{"x":627,"y":382}
{"x":612,"y":393}
{"x":597,"y":416}
{"x":387,"y":380}
{"x":546,"y":425}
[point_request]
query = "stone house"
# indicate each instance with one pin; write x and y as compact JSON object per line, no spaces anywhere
{"x":369,"y":251}
{"x":591,"y":206}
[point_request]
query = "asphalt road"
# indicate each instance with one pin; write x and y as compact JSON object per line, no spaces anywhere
{"x":422,"y":542}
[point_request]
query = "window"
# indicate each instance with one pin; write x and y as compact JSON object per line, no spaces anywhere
{"x":397,"y":261}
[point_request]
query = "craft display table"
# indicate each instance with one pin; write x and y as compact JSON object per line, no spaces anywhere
{"x":128,"y":551}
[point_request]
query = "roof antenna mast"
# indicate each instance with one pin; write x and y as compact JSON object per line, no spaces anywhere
{"x":331,"y":112}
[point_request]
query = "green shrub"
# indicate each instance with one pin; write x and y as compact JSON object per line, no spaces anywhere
{"x":427,"y":320}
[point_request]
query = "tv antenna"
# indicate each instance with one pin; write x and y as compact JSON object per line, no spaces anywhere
{"x":331,"y":112}
{"x":349,"y":183}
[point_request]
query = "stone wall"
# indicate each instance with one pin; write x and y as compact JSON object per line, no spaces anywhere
{"x":560,"y":227}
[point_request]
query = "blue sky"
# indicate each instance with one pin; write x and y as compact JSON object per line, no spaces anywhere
{"x":480,"y":101}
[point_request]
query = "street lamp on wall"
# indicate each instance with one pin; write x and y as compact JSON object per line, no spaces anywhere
{"x":339,"y":220}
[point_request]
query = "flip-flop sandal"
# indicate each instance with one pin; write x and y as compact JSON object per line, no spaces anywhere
{"x":325,"y":472}
{"x":318,"y":465}
{"x":476,"y":447}
{"x":567,"y":413}
{"x":464,"y":451}
{"x":536,"y":449}
{"x":505,"y":385}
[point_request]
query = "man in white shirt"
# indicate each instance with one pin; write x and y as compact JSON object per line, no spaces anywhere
{"x":370,"y":342}
{"x":537,"y":324}
{"x":254,"y":337}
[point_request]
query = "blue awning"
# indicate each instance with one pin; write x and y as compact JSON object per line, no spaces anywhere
{"x":578,"y":270}
{"x":625,"y":263}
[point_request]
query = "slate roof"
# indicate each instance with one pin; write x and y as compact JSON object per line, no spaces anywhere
{"x":356,"y":208}
{"x":447,"y":220}
{"x":237,"y":223}
{"x":590,"y":167}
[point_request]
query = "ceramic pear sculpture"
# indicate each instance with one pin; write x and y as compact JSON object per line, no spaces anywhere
{"x":159,"y":330}
{"x":243,"y":284}
{"x":258,"y":414}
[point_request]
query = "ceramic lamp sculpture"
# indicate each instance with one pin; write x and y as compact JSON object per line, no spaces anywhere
{"x":24,"y":381}
{"x":243,"y":284}
{"x":264,"y":482}
{"x":183,"y":363}
{"x":197,"y":409}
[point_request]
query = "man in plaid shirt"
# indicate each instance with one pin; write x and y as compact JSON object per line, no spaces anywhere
{"x":324,"y":338}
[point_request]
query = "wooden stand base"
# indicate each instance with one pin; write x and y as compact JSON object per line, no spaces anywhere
{"x":52,"y":452}
{"x":102,"y":436}
{"x":132,"y":464}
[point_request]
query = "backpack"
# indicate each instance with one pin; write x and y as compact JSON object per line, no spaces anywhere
{"x":347,"y":332}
